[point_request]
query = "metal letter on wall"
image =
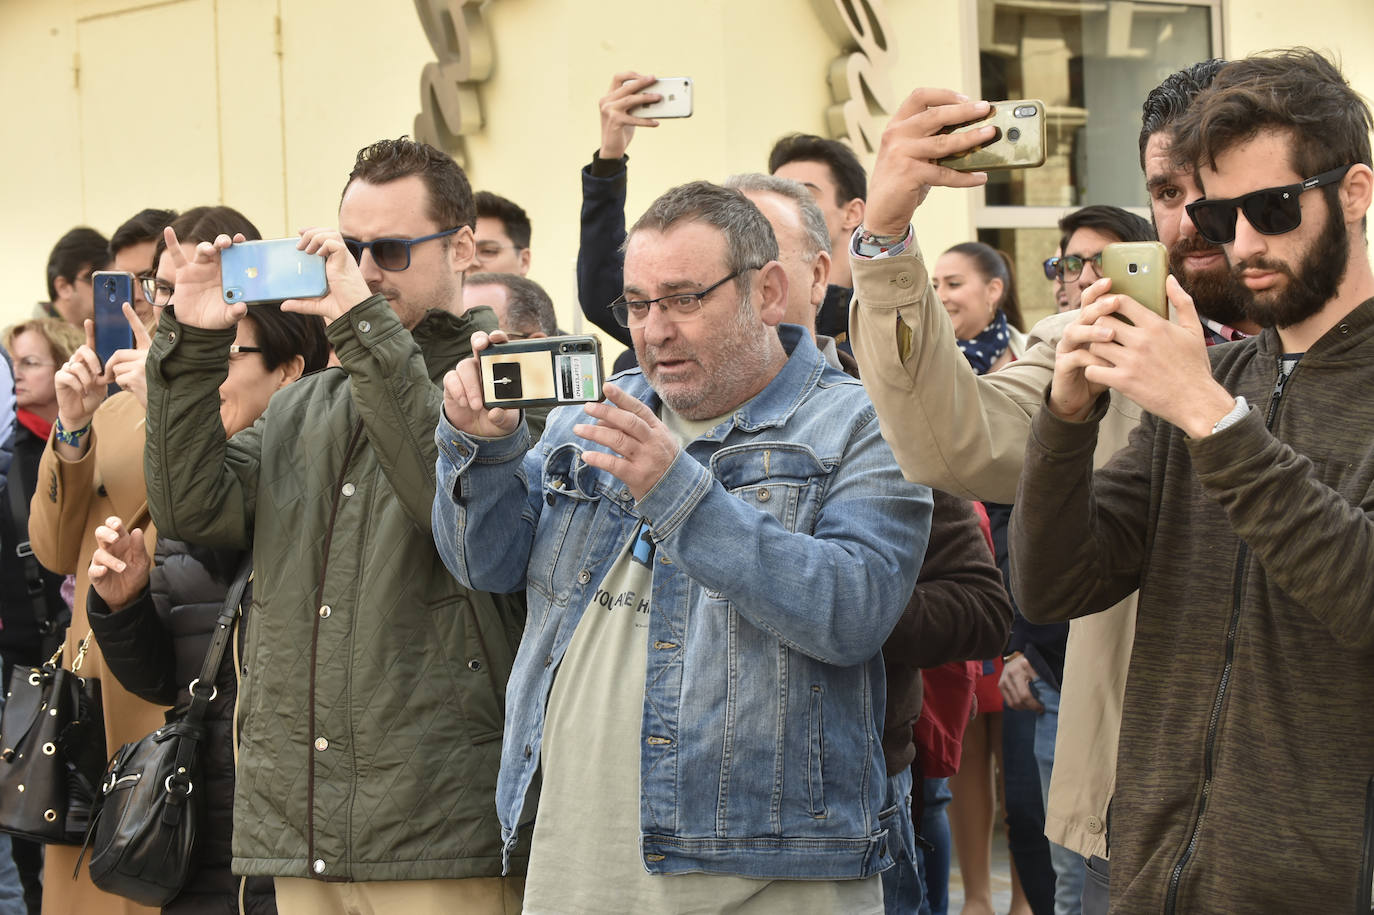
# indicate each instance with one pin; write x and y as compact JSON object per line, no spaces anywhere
{"x":449,"y":105}
{"x":860,"y":80}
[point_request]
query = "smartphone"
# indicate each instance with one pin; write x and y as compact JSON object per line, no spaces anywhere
{"x":1138,"y":269}
{"x":271,"y":271}
{"x":112,"y":332}
{"x":1019,"y":141}
{"x":675,"y":103}
{"x":544,"y":372}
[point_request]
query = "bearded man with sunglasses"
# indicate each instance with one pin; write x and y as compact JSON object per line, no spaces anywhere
{"x":371,"y":703}
{"x":1241,"y":509}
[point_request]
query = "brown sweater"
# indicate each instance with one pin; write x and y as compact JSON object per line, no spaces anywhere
{"x":1247,"y":748}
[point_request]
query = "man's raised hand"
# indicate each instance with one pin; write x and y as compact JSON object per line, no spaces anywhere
{"x":906,"y":169}
{"x":463,"y":405}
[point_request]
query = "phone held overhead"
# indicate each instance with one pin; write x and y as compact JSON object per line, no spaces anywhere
{"x":676,"y":101}
{"x":544,"y":372}
{"x":1017,"y":142}
{"x":271,"y":271}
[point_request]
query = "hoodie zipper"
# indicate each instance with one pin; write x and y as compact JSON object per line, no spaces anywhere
{"x":1209,"y":748}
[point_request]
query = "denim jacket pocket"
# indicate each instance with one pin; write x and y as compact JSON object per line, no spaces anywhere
{"x":783,"y":479}
{"x":569,"y":487}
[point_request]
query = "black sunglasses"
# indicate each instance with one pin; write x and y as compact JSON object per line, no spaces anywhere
{"x":1051,"y":265}
{"x":1270,"y":210}
{"x":390,"y":253}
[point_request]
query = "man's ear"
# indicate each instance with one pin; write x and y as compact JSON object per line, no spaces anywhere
{"x":524,"y":261}
{"x":820,"y":277}
{"x":1356,"y":192}
{"x":853,"y":216}
{"x":770,"y":290}
{"x":63,"y":287}
{"x":462,"y":248}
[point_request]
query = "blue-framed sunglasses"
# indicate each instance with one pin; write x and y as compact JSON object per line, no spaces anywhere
{"x":391,"y":254}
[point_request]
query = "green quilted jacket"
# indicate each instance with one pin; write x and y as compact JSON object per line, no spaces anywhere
{"x":374,"y":685}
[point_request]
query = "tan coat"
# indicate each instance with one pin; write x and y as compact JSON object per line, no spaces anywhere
{"x":966,"y":434}
{"x":71,"y":498}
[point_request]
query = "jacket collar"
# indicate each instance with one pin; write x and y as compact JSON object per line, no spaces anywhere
{"x":445,"y":338}
{"x":1346,"y":338}
{"x":775,"y":404}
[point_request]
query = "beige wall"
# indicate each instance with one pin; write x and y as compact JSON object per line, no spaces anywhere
{"x":187,"y":102}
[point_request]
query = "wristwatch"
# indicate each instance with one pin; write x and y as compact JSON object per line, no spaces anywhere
{"x":72,"y":438}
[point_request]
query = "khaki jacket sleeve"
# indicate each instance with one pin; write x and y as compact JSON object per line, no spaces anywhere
{"x":60,"y":509}
{"x":948,"y":427}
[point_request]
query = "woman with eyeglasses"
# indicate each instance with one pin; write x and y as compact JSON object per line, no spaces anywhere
{"x":92,"y":470}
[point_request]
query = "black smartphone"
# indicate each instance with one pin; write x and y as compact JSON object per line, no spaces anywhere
{"x":544,"y":372}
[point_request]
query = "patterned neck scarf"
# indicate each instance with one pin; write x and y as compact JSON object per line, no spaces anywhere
{"x":986,"y":348}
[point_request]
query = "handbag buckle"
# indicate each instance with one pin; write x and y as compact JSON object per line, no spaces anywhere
{"x":214,"y":690}
{"x":179,"y":776}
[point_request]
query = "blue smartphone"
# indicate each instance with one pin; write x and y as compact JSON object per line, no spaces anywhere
{"x":112,"y":332}
{"x":271,"y":271}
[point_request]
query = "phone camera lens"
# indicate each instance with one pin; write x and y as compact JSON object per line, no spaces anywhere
{"x":1024,"y":111}
{"x":1132,"y":269}
{"x":1013,"y":134}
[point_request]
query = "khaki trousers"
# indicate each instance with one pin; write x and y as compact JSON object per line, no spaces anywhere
{"x":497,"y":895}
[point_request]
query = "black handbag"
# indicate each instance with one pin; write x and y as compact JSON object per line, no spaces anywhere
{"x":52,"y":744}
{"x":144,"y":831}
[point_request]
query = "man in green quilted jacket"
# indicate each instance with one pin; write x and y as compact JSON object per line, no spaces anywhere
{"x":373,"y":684}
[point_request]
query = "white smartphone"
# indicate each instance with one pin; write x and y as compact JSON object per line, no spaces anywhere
{"x":675,"y":103}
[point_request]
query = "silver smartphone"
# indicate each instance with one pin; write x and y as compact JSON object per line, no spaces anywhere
{"x":676,"y":101}
{"x":544,"y":372}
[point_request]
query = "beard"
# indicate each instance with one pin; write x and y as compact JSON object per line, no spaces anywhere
{"x":727,"y":363}
{"x":1216,"y":293}
{"x":1310,"y":286}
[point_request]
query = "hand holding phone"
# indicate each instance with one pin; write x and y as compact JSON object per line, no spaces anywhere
{"x":628,"y":90}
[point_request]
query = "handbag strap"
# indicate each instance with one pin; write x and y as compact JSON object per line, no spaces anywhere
{"x":203,"y":688}
{"x":19,"y":519}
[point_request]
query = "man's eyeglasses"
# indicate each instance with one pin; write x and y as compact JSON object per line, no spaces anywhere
{"x":235,"y":348}
{"x":391,"y":254}
{"x":1070,"y":266}
{"x":156,"y":291}
{"x":486,"y":250}
{"x":1051,"y":266}
{"x":680,"y":306}
{"x":1270,"y":211}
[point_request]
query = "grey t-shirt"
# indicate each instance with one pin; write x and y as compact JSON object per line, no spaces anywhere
{"x":585,"y":856}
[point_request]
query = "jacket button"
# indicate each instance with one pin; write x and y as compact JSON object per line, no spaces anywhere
{"x":325,"y":611}
{"x":474,"y":664}
{"x":584,"y":576}
{"x":318,"y":866}
{"x":625,"y":494}
{"x":171,"y":336}
{"x":1094,"y":825}
{"x":365,"y":326}
{"x":321,"y":744}
{"x":348,"y":489}
{"x":904,"y":280}
{"x":548,"y":497}
{"x":665,"y":560}
{"x":764,"y":495}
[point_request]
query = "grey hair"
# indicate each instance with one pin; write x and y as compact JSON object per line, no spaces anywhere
{"x":749,"y":238}
{"x":817,"y":236}
{"x":528,"y":307}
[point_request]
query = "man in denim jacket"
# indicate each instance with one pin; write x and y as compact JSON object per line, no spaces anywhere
{"x":712,"y":560}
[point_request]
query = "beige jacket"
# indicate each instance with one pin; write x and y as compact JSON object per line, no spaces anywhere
{"x":71,"y":498}
{"x":966,"y":434}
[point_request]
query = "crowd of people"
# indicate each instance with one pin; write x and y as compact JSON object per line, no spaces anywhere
{"x":847,"y":559}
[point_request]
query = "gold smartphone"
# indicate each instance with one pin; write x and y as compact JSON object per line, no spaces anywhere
{"x":1018,"y":143}
{"x":1138,"y":269}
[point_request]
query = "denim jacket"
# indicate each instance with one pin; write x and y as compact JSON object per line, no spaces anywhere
{"x":784,"y":556}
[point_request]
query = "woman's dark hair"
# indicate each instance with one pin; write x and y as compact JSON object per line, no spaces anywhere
{"x":283,"y":335}
{"x":200,"y":224}
{"x":992,"y":264}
